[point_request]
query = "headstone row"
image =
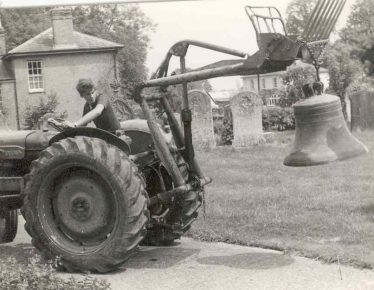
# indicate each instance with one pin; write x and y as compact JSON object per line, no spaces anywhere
{"x":246,"y":110}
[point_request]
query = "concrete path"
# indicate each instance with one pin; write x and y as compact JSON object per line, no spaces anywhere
{"x":192,"y":264}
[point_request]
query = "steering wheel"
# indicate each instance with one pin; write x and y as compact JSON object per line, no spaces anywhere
{"x":58,"y":124}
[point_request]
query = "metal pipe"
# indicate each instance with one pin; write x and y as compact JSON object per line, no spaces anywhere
{"x":251,"y":16}
{"x":210,"y":46}
{"x":160,"y":143}
{"x":17,"y":106}
{"x":10,"y":196}
{"x":195,"y":76}
{"x":165,"y":197}
{"x":179,"y":138}
{"x":186,"y":117}
{"x":311,"y":19}
{"x":174,"y":125}
{"x":325,"y":19}
{"x":330,"y":26}
{"x":314,"y":22}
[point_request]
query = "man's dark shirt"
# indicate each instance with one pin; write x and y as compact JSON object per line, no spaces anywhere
{"x":107,"y":120}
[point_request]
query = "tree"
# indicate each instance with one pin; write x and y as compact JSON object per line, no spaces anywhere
{"x":125,"y":24}
{"x":294,"y":78}
{"x":22,"y":24}
{"x":359,"y":33}
{"x":344,"y":69}
{"x":297,"y":15}
{"x":175,"y":92}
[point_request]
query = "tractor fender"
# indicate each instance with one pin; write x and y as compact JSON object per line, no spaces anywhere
{"x":93,"y":133}
{"x":141,"y":135}
{"x":138,"y":131}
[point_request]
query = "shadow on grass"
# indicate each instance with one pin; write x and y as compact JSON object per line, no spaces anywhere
{"x":255,"y":261}
{"x":367,"y":209}
{"x":159,"y":258}
{"x":21,"y":252}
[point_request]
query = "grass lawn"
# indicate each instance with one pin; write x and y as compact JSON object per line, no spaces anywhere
{"x":324,"y":212}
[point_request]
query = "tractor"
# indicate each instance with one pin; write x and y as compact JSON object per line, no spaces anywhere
{"x":90,"y":198}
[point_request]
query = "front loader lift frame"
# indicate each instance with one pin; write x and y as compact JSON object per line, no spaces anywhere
{"x":280,"y":52}
{"x":276,"y":52}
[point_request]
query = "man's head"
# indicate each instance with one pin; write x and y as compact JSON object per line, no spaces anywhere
{"x":86,"y":88}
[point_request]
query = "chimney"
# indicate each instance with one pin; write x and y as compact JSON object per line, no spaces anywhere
{"x":2,"y":40}
{"x":62,"y":25}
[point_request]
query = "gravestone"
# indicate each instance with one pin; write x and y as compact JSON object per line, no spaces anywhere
{"x":202,"y":120}
{"x":246,"y":110}
{"x":362,"y":109}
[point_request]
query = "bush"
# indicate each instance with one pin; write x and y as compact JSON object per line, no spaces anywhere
{"x":35,"y":275}
{"x":34,"y":113}
{"x":276,"y":118}
{"x":227,"y":132}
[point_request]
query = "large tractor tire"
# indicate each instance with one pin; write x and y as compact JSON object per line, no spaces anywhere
{"x":85,"y":205}
{"x":8,"y":225}
{"x":180,"y":213}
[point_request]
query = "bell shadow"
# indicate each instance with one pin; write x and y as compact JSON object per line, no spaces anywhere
{"x":366,"y":210}
{"x":159,"y":258}
{"x":21,"y":252}
{"x":255,"y":261}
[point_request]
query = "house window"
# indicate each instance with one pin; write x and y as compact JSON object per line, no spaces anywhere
{"x":263,"y":84}
{"x":273,"y":100}
{"x":252,"y":84}
{"x":35,"y":74}
{"x":275,"y":82}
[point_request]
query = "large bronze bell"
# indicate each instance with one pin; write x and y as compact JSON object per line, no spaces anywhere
{"x":322,"y":135}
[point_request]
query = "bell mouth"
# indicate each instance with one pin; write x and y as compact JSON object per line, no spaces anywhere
{"x":321,"y":134}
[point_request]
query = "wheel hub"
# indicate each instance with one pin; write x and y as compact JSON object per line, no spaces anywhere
{"x":81,"y":208}
{"x":84,"y":207}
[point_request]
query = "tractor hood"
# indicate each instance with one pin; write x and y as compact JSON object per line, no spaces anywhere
{"x":15,"y":144}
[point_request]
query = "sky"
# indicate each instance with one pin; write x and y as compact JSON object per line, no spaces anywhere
{"x":221,"y":22}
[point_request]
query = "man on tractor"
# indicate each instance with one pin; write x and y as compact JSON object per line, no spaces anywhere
{"x":96,"y":109}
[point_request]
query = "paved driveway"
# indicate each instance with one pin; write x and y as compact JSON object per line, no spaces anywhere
{"x":192,"y":264}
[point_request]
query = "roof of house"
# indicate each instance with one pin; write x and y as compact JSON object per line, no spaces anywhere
{"x":43,"y":43}
{"x":221,"y":96}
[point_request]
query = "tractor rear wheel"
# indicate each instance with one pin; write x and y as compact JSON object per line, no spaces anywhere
{"x":179,"y":214}
{"x":85,"y":205}
{"x":8,"y":225}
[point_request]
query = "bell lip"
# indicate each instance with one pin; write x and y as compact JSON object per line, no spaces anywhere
{"x":291,"y":161}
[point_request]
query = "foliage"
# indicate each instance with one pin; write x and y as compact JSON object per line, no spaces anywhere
{"x":344,"y":69}
{"x":35,"y":275}
{"x":266,"y":93}
{"x":22,"y":24}
{"x":3,"y":116}
{"x":174,"y":93}
{"x":297,"y":15}
{"x":33,"y":114}
{"x":125,"y":24}
{"x":277,"y":118}
{"x":294,"y":78}
{"x":227,"y":132}
{"x":359,"y":33}
{"x":273,"y":118}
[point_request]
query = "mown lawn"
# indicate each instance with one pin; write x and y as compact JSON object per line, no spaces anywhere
{"x":324,"y":212}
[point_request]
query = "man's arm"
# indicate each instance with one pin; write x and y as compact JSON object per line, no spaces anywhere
{"x":90,"y":116}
